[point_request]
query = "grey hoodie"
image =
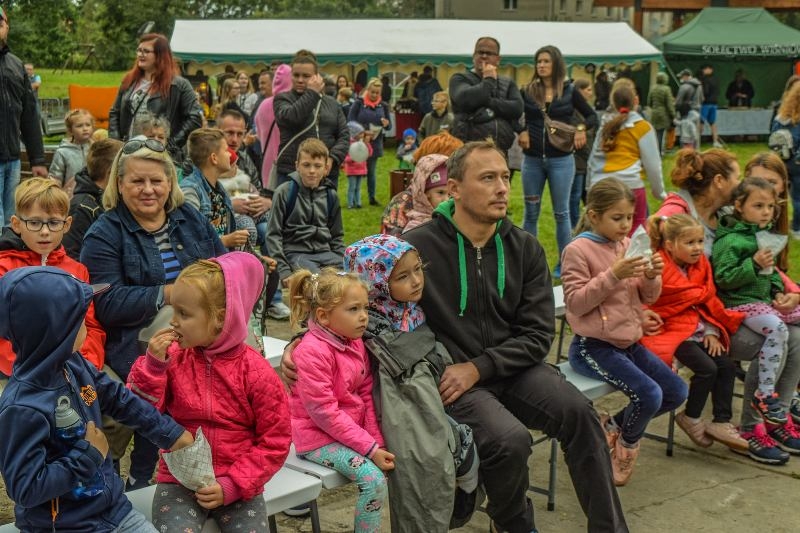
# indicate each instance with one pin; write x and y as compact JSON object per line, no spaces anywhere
{"x":68,"y":160}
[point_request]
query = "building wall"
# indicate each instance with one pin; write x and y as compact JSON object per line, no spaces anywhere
{"x":654,"y":24}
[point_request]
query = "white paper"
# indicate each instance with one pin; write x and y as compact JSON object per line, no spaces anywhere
{"x":192,"y":466}
{"x":640,"y":246}
{"x":773,"y":242}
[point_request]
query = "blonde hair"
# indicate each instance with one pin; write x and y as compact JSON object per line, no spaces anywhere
{"x":44,"y":191}
{"x":601,"y":197}
{"x":309,"y":292}
{"x":249,"y":89}
{"x":790,"y":105}
{"x":206,"y":277}
{"x":72,"y":116}
{"x":111,"y":195}
{"x":662,"y":229}
{"x":373,"y":82}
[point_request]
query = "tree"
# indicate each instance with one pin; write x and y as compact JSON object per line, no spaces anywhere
{"x":42,"y":31}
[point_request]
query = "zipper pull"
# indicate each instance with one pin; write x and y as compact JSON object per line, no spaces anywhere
{"x":478,"y":251}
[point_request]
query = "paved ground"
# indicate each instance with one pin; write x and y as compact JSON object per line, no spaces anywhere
{"x":703,"y":490}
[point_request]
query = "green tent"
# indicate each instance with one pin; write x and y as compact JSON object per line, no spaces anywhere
{"x":736,"y":38}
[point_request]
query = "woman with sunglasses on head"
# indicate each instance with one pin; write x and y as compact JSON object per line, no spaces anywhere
{"x":154,"y":86}
{"x":139,"y":246}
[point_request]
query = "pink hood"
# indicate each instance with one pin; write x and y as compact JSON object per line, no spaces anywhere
{"x":422,"y":210}
{"x":265,"y":118}
{"x":244,"y":280}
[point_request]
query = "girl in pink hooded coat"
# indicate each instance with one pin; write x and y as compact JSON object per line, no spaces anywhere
{"x":201,"y":371}
{"x":268,"y":134}
{"x":333,"y":415}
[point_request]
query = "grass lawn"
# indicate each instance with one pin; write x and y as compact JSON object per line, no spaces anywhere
{"x":359,"y":223}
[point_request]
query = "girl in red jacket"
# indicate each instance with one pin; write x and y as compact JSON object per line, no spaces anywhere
{"x":201,"y":371}
{"x":696,"y":329}
{"x":333,"y":416}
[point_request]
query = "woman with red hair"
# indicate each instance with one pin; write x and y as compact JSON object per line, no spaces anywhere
{"x":154,"y":86}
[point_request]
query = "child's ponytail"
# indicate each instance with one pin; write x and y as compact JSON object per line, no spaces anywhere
{"x":623,"y":99}
{"x":662,"y":229}
{"x":300,"y":297}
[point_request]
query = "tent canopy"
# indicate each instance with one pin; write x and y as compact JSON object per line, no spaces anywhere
{"x":719,"y":32}
{"x":375,"y":41}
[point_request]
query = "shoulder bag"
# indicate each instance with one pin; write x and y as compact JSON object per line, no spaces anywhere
{"x":273,"y":172}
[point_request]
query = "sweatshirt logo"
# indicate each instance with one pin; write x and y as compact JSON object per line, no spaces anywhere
{"x":88,"y":394}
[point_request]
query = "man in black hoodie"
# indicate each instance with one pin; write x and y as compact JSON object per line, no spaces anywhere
{"x":18,"y":115}
{"x":494,"y":312}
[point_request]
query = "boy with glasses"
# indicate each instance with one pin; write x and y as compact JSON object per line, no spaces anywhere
{"x":34,"y":239}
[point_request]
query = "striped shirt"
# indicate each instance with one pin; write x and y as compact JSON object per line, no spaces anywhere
{"x":171,"y":265}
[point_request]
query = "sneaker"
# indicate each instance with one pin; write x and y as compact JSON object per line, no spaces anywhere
{"x":762,"y":448}
{"x":373,"y":201}
{"x":769,"y":408}
{"x":623,"y":459}
{"x":725,"y":433}
{"x":787,"y":436}
{"x":300,"y":510}
{"x":610,"y":429}
{"x":695,"y":430}
{"x":794,"y":409}
{"x":278,"y":311}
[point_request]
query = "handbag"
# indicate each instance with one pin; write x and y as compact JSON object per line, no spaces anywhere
{"x":560,"y":135}
{"x":273,"y":171}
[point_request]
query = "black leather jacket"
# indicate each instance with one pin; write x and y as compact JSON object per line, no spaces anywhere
{"x":18,"y":112}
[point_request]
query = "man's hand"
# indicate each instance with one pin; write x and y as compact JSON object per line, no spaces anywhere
{"x":383,"y":459}
{"x":258,"y":205}
{"x":489,"y":71}
{"x":39,"y":171}
{"x":456,"y":380}
{"x":236,"y":239}
{"x":652,"y":324}
{"x":96,"y":438}
{"x":288,"y":368}
{"x":210,"y":497}
{"x":184,"y":441}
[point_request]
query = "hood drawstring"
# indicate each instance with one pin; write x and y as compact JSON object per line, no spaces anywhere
{"x":462,"y":266}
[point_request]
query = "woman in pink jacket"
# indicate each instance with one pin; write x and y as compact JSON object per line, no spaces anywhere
{"x":201,"y":371}
{"x":333,"y":416}
{"x":266,"y":127}
{"x":604,"y":291}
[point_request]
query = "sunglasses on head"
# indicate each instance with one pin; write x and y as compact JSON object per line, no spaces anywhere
{"x":135,"y":145}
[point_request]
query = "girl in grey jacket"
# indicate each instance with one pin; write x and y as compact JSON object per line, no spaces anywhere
{"x":70,"y":157}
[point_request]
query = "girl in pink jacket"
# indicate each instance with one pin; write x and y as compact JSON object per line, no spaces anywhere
{"x":604,"y":291}
{"x":333,"y":416}
{"x":201,"y":371}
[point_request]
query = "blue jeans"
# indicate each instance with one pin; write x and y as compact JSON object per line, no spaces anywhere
{"x":559,"y":171}
{"x":652,"y":386}
{"x":575,"y":197}
{"x":135,"y":522}
{"x":354,"y":191}
{"x":9,"y":179}
{"x":372,"y":163}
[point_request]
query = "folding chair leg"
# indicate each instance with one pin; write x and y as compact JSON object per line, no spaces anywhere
{"x":273,"y":526}
{"x":551,"y":485}
{"x":315,"y":527}
{"x":670,"y":433}
{"x":560,"y":348}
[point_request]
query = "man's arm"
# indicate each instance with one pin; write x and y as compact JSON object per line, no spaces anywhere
{"x":467,"y":97}
{"x":508,"y":106}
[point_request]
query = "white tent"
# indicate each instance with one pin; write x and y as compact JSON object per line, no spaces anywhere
{"x":382,"y":45}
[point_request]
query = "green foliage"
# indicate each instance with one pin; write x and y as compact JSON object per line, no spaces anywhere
{"x":42,"y":31}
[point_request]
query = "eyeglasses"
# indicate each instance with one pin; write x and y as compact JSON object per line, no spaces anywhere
{"x":135,"y":145}
{"x":490,"y":53}
{"x":144,"y":51}
{"x":36,"y":225}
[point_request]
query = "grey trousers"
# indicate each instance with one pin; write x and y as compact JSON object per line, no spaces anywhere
{"x":747,"y":340}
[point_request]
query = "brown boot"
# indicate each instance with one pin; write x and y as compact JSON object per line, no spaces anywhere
{"x":725,"y":433}
{"x":623,"y":459}
{"x":695,"y":430}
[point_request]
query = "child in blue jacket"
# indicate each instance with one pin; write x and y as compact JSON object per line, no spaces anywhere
{"x":60,"y":484}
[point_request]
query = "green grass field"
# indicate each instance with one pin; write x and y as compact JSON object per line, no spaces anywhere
{"x":359,"y":223}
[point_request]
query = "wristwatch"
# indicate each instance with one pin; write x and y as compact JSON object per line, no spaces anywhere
{"x":580,"y":127}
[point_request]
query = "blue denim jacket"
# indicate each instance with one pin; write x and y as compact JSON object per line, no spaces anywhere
{"x":117,"y":250}
{"x":197,"y":184}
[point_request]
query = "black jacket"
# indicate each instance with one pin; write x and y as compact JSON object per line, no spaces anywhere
{"x":18,"y":112}
{"x":180,"y":107}
{"x":562,"y":110}
{"x":504,"y":335}
{"x":294,"y":112}
{"x":485,"y":107}
{"x":85,"y":207}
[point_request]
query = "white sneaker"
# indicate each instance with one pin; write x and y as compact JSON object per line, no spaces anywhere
{"x":278,"y":311}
